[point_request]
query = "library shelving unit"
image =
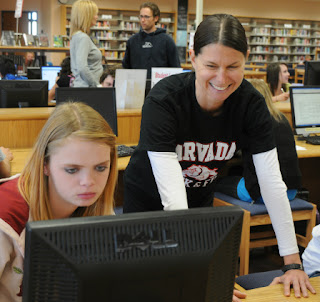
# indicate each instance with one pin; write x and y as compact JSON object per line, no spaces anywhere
{"x":115,"y":26}
{"x":277,"y":40}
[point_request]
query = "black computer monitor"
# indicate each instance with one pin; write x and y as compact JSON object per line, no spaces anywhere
{"x":312,"y":73}
{"x":101,"y":99}
{"x":23,"y":93}
{"x":34,"y":73}
{"x":162,"y":256}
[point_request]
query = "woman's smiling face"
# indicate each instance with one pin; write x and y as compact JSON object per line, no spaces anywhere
{"x":219,"y":72}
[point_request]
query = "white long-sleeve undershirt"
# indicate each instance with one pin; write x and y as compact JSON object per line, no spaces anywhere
{"x":168,"y":176}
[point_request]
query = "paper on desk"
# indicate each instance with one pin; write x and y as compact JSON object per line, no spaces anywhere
{"x":300,"y":148}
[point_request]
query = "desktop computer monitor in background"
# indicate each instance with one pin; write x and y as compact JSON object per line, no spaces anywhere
{"x":50,"y":73}
{"x":312,"y":73}
{"x":34,"y":73}
{"x":23,"y":93}
{"x":305,"y":108}
{"x":163,"y":256}
{"x":101,"y":99}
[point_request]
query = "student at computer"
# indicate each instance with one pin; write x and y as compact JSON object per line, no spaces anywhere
{"x":64,"y":79}
{"x":6,"y":157}
{"x":108,"y":76}
{"x":311,"y":255}
{"x":72,"y":172}
{"x":86,"y":58}
{"x":278,"y":79}
{"x":246,"y":187}
{"x":193,"y":123}
{"x":8,"y":70}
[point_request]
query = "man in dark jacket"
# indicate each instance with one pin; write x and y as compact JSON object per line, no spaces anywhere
{"x":151,"y":47}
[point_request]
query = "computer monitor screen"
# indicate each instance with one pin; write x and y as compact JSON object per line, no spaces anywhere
{"x":101,"y":99}
{"x":163,"y":256}
{"x":305,"y":108}
{"x":50,"y":73}
{"x":312,"y":73}
{"x":34,"y":73}
{"x":23,"y":93}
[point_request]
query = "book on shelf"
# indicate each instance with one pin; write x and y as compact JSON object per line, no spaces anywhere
{"x":43,"y":40}
{"x":28,"y":40}
{"x":65,"y":41}
{"x":57,"y":41}
{"x":7,"y":38}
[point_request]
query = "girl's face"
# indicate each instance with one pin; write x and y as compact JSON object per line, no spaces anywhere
{"x":77,"y":172}
{"x":284,"y":74}
{"x":219,"y":72}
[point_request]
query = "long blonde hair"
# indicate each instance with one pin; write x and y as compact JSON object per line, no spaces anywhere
{"x":263,"y":88}
{"x":82,"y":14}
{"x":76,"y":120}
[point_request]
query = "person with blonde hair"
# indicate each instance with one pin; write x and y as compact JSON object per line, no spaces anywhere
{"x":86,"y":58}
{"x":246,"y":187}
{"x":72,"y":172}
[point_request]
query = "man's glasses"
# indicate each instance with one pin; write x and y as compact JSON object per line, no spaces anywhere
{"x":144,"y":17}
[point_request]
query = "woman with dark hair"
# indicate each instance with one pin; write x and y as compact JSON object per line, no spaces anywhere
{"x":8,"y":70}
{"x":64,"y":78}
{"x":193,"y":123}
{"x":277,"y":78}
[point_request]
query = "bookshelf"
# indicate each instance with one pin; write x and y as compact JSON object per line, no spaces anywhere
{"x":278,"y":40}
{"x":114,"y":27}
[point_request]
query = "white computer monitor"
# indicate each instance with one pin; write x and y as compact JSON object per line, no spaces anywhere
{"x":130,"y":87}
{"x":158,"y":73}
{"x":50,"y":73}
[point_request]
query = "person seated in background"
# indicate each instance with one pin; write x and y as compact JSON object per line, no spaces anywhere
{"x":8,"y":70}
{"x":64,"y":79}
{"x":72,"y":172}
{"x":246,"y":187}
{"x":108,"y":76}
{"x":29,"y":59}
{"x":311,"y":255}
{"x":278,"y":80}
{"x":307,"y":58}
{"x":6,"y":157}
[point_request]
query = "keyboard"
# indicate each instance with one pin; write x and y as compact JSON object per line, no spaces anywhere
{"x":314,"y":139}
{"x":124,"y":150}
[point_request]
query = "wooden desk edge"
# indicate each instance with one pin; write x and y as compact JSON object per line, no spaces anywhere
{"x":40,"y":113}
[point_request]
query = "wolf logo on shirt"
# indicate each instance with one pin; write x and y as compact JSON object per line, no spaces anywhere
{"x":202,"y":175}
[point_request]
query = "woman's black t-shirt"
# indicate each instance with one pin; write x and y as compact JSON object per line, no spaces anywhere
{"x":173,"y":121}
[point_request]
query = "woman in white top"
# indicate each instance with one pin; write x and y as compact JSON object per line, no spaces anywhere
{"x":86,"y":58}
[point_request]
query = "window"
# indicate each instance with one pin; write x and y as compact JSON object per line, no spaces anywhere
{"x":32,"y":23}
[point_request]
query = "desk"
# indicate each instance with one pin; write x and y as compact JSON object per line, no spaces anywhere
{"x":274,"y":293}
{"x":309,"y":163}
{"x":21,"y":126}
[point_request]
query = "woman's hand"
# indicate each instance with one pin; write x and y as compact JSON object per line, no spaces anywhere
{"x":299,"y":281}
